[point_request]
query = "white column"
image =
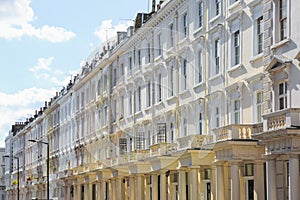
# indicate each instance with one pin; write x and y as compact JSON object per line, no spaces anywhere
{"x":271,"y":180}
{"x":98,"y":190}
{"x":163,"y":186}
{"x":114,"y":189}
{"x":294,"y":177}
{"x":182,"y":185}
{"x":154,"y":187}
{"x":259,"y":187}
{"x":119,"y":190}
{"x":86,"y":190}
{"x":103,"y":190}
{"x":68,"y":190}
{"x":78,"y":193}
{"x":132,"y":187}
{"x":235,"y":181}
{"x":220,"y":182}
{"x":194,"y":183}
{"x":140,"y":186}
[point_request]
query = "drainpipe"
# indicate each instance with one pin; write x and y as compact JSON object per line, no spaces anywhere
{"x":206,"y":110}
{"x":152,"y":86}
{"x":176,"y":78}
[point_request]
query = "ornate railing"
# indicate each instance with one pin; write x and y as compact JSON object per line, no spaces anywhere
{"x":237,"y":131}
{"x":193,"y":141}
{"x":282,"y":119}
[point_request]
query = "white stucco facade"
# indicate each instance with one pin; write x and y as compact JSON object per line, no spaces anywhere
{"x":200,"y":101}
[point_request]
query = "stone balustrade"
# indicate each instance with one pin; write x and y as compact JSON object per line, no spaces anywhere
{"x":237,"y":131}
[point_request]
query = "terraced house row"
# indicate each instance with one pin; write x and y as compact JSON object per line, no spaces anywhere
{"x":198,"y":100}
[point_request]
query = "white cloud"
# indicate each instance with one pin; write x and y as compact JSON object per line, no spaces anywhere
{"x":15,"y":19}
{"x":106,"y":30}
{"x":19,"y":106}
{"x":44,"y":71}
{"x":43,"y":64}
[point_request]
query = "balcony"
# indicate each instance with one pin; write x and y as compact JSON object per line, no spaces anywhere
{"x":161,"y":149}
{"x":237,"y":131}
{"x":193,"y":141}
{"x":78,"y":170}
{"x":282,"y":119}
{"x":64,"y":174}
{"x":90,"y":167}
{"x":137,"y":155}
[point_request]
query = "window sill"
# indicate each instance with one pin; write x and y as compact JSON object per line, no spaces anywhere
{"x":198,"y":85}
{"x":198,"y":30}
{"x":183,"y":42}
{"x":234,"y":68}
{"x":280,"y":44}
{"x":130,"y":117}
{"x":214,"y":19}
{"x":217,"y":76}
{"x":235,"y":6}
{"x":147,"y":110}
{"x":159,"y":104}
{"x":171,"y":99}
{"x":256,"y":58}
{"x":158,"y":58}
{"x":184,"y":93}
{"x":138,"y":113}
{"x":170,"y":51}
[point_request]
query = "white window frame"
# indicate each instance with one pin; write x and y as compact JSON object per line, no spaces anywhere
{"x":130,"y":103}
{"x":171,"y":81}
{"x":236,"y":47}
{"x":148,"y":53}
{"x":159,"y":45}
{"x":171,"y":34}
{"x":258,"y":106}
{"x":217,"y":117}
{"x":184,"y":74}
{"x":278,"y":20}
{"x":258,"y":36}
{"x":185,"y":25}
{"x":184,"y":127}
{"x":200,"y":123}
{"x":122,"y":106}
{"x":282,"y":96}
{"x":199,"y":68}
{"x":283,"y":32}
{"x":236,"y":111}
{"x":200,"y":13}
{"x":139,"y":58}
{"x":138,"y":99}
{"x":217,"y":56}
{"x":148,"y":94}
{"x":159,"y":88}
{"x":129,"y":65}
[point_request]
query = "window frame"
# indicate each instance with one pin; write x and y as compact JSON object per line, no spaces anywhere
{"x":217,"y":55}
{"x":258,"y":106}
{"x":259,"y":35}
{"x":237,"y":111}
{"x":200,"y":16}
{"x":199,"y":68}
{"x":236,"y":44}
{"x":185,"y":24}
{"x":282,"y":96}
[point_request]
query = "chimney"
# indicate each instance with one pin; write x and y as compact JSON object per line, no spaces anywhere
{"x":36,"y":114}
{"x":153,"y":6}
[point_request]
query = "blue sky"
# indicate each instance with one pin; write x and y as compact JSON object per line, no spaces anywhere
{"x":44,"y":42}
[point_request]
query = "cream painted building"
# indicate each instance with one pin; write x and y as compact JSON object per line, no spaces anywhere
{"x":197,"y":101}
